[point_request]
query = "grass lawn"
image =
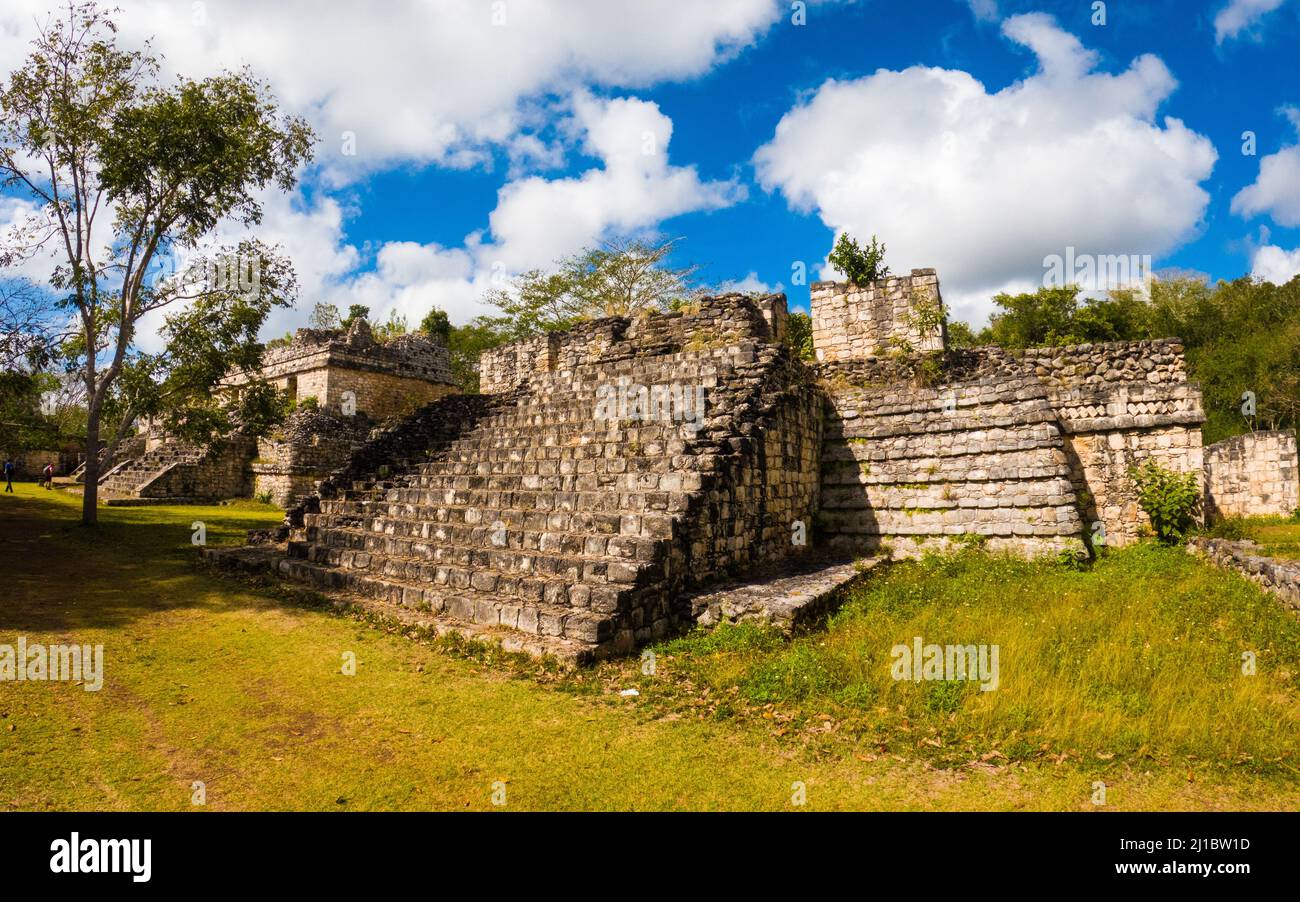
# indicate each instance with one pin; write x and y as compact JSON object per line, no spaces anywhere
{"x":1128,"y":674}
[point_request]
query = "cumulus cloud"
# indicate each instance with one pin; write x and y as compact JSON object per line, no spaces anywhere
{"x":630,"y":189}
{"x":1274,"y":264}
{"x":751,"y":284}
{"x":1241,"y":15}
{"x":537,"y":220}
{"x":425,"y":80}
{"x":1276,"y":190}
{"x":984,"y":185}
{"x":449,"y":82}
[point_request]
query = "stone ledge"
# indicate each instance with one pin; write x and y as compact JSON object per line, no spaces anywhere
{"x":1279,"y":577}
{"x":786,"y":601}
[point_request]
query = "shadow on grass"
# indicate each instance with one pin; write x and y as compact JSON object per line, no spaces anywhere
{"x":58,"y":574}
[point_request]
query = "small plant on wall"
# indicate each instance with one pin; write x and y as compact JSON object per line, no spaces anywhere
{"x":1171,"y":499}
{"x":860,"y":265}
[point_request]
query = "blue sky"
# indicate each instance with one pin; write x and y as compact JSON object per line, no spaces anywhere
{"x":976,"y":137}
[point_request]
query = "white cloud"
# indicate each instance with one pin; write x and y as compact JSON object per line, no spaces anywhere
{"x":1276,"y":190}
{"x":537,"y":220}
{"x":1241,"y":15}
{"x":632,"y":189}
{"x":1274,"y":264}
{"x":984,"y":185}
{"x":984,"y":10}
{"x":751,"y":284}
{"x":425,"y":80}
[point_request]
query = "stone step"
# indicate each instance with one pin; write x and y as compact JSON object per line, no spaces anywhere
{"x":433,"y":542}
{"x":471,"y":606}
{"x":522,"y":500}
{"x":399,"y":522}
{"x":559,"y":579}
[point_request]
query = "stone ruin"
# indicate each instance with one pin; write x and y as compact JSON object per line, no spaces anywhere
{"x":625,"y":479}
{"x":344,"y":385}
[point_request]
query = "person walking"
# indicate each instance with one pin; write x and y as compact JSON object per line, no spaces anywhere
{"x":49,"y":476}
{"x":9,"y":476}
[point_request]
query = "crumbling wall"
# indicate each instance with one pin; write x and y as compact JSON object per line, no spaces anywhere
{"x":914,"y":461}
{"x":853,"y":322}
{"x":223,"y":472}
{"x":1252,"y":475}
{"x":996,"y":443}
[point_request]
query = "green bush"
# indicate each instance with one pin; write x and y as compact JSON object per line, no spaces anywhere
{"x":860,"y":265}
{"x":1171,"y":499}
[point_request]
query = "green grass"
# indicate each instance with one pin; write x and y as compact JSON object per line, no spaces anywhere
{"x":1138,"y":660}
{"x":1276,"y":536}
{"x":224,"y":682}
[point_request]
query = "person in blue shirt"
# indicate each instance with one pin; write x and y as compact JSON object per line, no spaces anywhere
{"x":9,"y":476}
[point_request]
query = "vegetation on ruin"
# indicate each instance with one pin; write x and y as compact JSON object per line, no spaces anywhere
{"x":860,"y":265}
{"x":1172,"y":500}
{"x":1126,"y":674}
{"x":127,"y":175}
{"x":1240,"y":337}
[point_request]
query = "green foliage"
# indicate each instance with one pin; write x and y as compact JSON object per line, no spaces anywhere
{"x":355,"y":312}
{"x":1135,"y":658}
{"x":1171,"y":499}
{"x":86,"y":128}
{"x":436,"y":324}
{"x":1240,"y":336}
{"x":619,"y":278}
{"x":860,"y":265}
{"x":799,"y":335}
{"x":394,"y":327}
{"x":324,"y":316}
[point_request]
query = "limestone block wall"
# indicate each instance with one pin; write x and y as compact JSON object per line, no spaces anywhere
{"x":858,"y":321}
{"x":385,"y":379}
{"x":1277,"y":576}
{"x":1119,"y":404}
{"x":1252,"y":475}
{"x":996,"y":443}
{"x":291,"y":463}
{"x":759,"y":492}
{"x":223,"y":472}
{"x":716,"y":322}
{"x":909,"y":467}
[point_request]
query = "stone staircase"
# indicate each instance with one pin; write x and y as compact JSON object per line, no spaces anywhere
{"x":560,"y":520}
{"x":134,"y":477}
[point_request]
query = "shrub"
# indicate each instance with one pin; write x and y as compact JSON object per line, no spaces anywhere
{"x":1171,"y":499}
{"x":860,"y":265}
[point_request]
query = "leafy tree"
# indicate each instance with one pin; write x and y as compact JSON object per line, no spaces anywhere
{"x":437,"y":324}
{"x":324,"y":316}
{"x":355,"y":312}
{"x":619,"y":278}
{"x":203,"y":342}
{"x":799,"y":335}
{"x":859,"y":265}
{"x":87,"y":134}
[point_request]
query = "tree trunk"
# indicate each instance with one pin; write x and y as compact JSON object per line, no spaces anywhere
{"x":90,"y":496}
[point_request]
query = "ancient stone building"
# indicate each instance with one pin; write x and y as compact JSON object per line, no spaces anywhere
{"x":1252,"y":475}
{"x":343,"y":385}
{"x":611,"y":477}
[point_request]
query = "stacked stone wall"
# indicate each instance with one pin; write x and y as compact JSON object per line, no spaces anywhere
{"x":1252,"y":475}
{"x":222,"y":472}
{"x":852,"y":322}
